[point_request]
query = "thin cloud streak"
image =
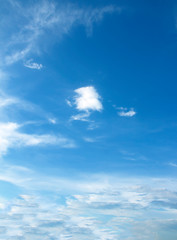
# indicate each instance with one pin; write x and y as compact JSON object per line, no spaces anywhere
{"x":12,"y":137}
{"x":4,"y":102}
{"x":33,"y":65}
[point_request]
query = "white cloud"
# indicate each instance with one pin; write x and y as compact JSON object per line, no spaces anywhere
{"x":86,"y":100}
{"x":42,"y":18}
{"x":12,"y":137}
{"x":69,"y":103}
{"x":52,"y":120}
{"x":126,"y":113}
{"x":33,"y":65}
{"x":13,"y":105}
{"x":4,"y":102}
{"x":173,"y":164}
{"x":96,"y":207}
{"x":18,"y":55}
{"x":81,"y":117}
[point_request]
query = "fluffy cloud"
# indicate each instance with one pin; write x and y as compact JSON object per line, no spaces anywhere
{"x":10,"y":136}
{"x":86,"y":100}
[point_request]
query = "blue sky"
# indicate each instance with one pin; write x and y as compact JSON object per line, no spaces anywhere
{"x":88,"y":120}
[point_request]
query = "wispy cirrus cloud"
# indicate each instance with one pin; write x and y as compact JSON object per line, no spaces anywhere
{"x":9,"y":104}
{"x":81,"y":117}
{"x":52,"y":120}
{"x":4,"y":102}
{"x":86,"y":101}
{"x":173,"y":164}
{"x":43,"y":17}
{"x":33,"y":65}
{"x":12,"y":137}
{"x":16,"y":56}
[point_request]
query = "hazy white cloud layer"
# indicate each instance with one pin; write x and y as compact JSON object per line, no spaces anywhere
{"x":96,"y":207}
{"x":40,"y":19}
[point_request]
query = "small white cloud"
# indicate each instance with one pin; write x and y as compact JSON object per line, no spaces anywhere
{"x":126,"y":113}
{"x":52,"y":120}
{"x":87,"y":99}
{"x":33,"y":65}
{"x":69,"y":102}
{"x":81,"y":117}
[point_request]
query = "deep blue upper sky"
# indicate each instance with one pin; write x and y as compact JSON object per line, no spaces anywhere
{"x":127,"y":54}
{"x":130,"y":59}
